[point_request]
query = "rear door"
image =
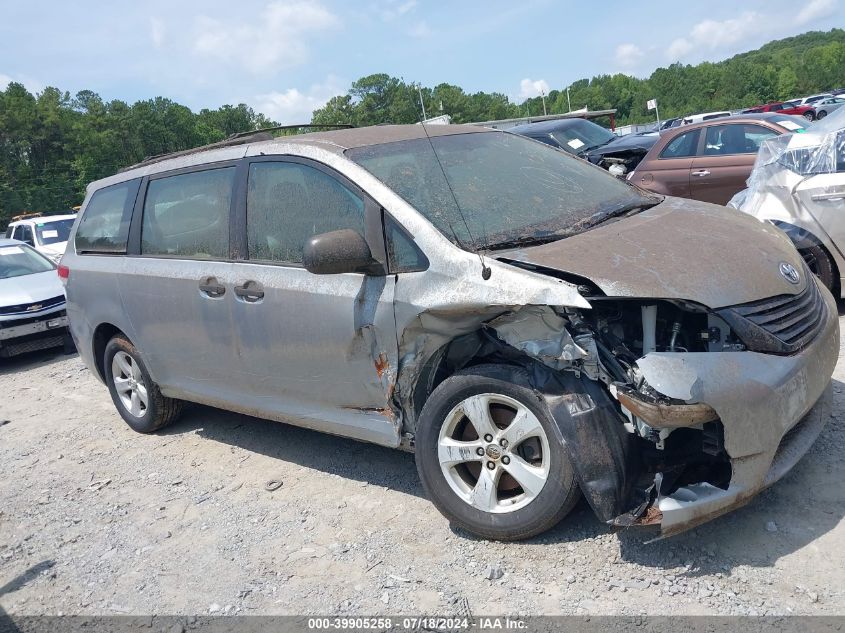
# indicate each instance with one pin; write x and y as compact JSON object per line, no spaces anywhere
{"x":313,"y":346}
{"x":178,"y":278}
{"x":669,"y":171}
{"x":725,"y":159}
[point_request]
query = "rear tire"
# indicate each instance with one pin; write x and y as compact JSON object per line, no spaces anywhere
{"x":483,"y":473}
{"x":136,"y":397}
{"x":821,"y":115}
{"x":809,"y":116}
{"x":821,"y":265}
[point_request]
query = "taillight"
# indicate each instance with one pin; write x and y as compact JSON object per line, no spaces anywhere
{"x":64,"y":272}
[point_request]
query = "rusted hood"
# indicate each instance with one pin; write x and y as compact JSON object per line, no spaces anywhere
{"x":679,"y":249}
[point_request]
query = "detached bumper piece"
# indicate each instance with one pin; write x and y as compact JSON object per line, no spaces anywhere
{"x":693,"y":504}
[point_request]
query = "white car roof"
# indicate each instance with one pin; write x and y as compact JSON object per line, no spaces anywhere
{"x":44,"y":219}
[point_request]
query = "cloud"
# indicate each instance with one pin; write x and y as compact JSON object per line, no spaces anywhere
{"x":277,"y":38}
{"x":294,"y":106}
{"x":815,"y":10}
{"x":393,"y":9}
{"x":157,"y":32}
{"x":420,"y":29}
{"x":30,"y":84}
{"x":629,"y":55}
{"x":712,"y":35}
{"x":532,"y":88}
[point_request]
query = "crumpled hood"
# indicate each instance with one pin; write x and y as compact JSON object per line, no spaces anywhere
{"x":625,"y":143}
{"x":30,"y":288}
{"x":679,"y":249}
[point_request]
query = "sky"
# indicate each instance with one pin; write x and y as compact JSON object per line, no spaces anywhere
{"x":287,"y":57}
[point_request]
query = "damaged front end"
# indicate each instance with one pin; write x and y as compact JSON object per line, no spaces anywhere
{"x":671,"y":413}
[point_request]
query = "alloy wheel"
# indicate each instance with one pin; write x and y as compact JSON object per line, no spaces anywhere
{"x":494,"y":453}
{"x":129,"y":384}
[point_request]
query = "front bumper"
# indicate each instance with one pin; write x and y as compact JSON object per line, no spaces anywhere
{"x":772,"y":409}
{"x":40,"y":330}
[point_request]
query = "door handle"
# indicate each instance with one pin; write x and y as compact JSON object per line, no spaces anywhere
{"x":820,"y":197}
{"x":212,"y":288}
{"x":250,"y":291}
{"x":700,"y":172}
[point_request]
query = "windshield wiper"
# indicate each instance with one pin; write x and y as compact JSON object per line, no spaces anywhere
{"x":600,"y":217}
{"x":527,"y":240}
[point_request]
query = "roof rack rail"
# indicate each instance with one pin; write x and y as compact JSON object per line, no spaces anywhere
{"x":240,"y":138}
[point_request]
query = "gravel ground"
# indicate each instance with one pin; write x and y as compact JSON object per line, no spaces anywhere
{"x":96,"y":519}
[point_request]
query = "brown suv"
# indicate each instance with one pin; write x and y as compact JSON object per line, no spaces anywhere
{"x":711,"y":160}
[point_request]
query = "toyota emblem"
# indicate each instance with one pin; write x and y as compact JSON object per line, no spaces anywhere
{"x":789,"y":273}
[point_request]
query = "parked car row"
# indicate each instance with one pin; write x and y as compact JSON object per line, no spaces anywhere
{"x":533,"y":328}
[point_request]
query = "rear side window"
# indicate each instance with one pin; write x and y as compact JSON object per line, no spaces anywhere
{"x":187,"y":215}
{"x":104,"y":227}
{"x":735,"y":139}
{"x":288,"y":203}
{"x":681,"y":146}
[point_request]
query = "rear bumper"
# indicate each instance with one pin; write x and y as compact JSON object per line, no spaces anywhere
{"x":772,"y":409}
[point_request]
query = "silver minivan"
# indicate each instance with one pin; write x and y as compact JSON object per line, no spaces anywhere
{"x":533,"y":328}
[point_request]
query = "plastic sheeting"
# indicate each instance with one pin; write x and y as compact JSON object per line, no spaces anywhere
{"x":790,"y":162}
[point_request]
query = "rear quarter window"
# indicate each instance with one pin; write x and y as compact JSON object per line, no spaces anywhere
{"x":104,"y":227}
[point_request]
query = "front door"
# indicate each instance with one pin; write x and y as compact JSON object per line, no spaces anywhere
{"x":668,"y":173}
{"x":311,"y":346}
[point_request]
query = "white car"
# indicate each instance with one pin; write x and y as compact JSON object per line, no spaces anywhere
{"x":46,"y":234}
{"x":812,"y":99}
{"x":704,"y":116}
{"x":798,"y":185}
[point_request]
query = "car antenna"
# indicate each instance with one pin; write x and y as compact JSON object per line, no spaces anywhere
{"x":485,"y":269}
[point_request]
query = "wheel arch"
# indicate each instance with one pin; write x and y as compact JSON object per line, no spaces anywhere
{"x":601,"y":451}
{"x":103,"y":333}
{"x":800,"y":236}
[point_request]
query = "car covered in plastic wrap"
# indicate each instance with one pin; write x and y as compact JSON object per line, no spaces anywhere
{"x":798,"y":185}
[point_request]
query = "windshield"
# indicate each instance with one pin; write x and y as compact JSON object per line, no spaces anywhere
{"x":509,"y":188}
{"x":19,"y":260}
{"x":53,"y":232}
{"x":579,"y":136}
{"x":791,"y":122}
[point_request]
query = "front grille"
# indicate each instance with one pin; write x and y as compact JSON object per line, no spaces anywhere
{"x":35,"y":306}
{"x":782,"y":325}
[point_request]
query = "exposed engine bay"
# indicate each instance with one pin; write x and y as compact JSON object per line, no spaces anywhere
{"x":678,"y":443}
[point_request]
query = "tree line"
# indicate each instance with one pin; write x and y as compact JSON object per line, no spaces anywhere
{"x":53,"y":144}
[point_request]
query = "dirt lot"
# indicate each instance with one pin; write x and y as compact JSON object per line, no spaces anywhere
{"x":96,"y":519}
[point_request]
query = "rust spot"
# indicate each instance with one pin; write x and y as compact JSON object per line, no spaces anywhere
{"x":381,"y":364}
{"x":386,"y":412}
{"x":652,"y":516}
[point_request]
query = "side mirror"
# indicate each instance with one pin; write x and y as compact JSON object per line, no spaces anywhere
{"x":343,"y":251}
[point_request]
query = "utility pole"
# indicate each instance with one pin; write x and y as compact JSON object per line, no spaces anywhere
{"x":422,"y":105}
{"x":568,"y":102}
{"x":543,"y":97}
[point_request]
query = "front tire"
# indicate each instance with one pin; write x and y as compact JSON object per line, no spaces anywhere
{"x":820,"y":264}
{"x":136,"y":397}
{"x":821,"y":115}
{"x":490,"y":458}
{"x":810,"y":116}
